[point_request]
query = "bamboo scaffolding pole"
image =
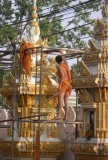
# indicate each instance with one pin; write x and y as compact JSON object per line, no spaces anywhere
{"x":43,"y":121}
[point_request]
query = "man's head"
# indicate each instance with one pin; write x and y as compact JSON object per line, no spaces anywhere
{"x":58,"y":59}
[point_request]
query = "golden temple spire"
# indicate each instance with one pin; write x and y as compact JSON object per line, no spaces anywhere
{"x":33,"y":30}
{"x":35,"y":21}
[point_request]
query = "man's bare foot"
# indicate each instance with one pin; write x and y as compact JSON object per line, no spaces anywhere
{"x":65,"y":119}
{"x":56,"y":118}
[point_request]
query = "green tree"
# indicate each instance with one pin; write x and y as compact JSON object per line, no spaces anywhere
{"x":52,"y":18}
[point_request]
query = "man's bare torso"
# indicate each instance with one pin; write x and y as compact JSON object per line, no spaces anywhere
{"x":63,"y":73}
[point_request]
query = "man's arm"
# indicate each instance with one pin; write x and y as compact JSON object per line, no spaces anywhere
{"x":61,"y":74}
{"x":64,"y":60}
{"x":63,"y":57}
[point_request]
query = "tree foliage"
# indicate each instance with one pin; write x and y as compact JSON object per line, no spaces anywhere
{"x":51,"y":14}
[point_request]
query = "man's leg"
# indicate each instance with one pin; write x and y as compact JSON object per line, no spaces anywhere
{"x":66,"y":104}
{"x":60,"y":104}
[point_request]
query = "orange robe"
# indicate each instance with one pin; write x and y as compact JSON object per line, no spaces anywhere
{"x":65,"y":86}
{"x":25,"y":56}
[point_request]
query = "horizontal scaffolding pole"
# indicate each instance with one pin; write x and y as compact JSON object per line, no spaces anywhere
{"x":51,"y":121}
{"x":5,"y":126}
{"x":20,"y":118}
{"x":62,"y":49}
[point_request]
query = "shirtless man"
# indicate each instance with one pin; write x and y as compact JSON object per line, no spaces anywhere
{"x":64,"y":86}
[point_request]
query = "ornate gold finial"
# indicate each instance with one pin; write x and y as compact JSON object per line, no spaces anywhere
{"x":84,"y":70}
{"x":74,"y":72}
{"x":86,"y":48}
{"x":93,"y":47}
{"x":34,"y":15}
{"x":104,"y":11}
{"x":33,"y":31}
{"x":99,"y":23}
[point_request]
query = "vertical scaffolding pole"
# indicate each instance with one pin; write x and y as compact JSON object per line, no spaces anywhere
{"x":76,"y":129}
{"x":40,"y":96}
{"x":14,"y":104}
{"x":34,"y":135}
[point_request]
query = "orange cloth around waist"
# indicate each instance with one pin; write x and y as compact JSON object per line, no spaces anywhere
{"x":66,"y":87}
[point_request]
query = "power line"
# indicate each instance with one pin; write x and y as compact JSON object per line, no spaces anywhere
{"x":57,"y":12}
{"x":69,"y":17}
{"x":42,"y":20}
{"x":67,"y":30}
{"x":62,"y":32}
{"x":72,"y":16}
{"x":57,"y":5}
{"x":62,"y":10}
{"x":62,"y":41}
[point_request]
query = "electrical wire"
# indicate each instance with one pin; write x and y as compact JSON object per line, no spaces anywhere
{"x":67,"y":8}
{"x":72,"y":16}
{"x":67,"y":30}
{"x":89,"y":1}
{"x":62,"y":41}
{"x":48,"y":22}
{"x":61,"y":19}
{"x":57,"y":12}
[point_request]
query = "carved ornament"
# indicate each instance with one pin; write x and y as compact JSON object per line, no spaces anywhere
{"x":93,"y":47}
{"x":85,"y":97}
{"x":46,"y":79}
{"x":74,"y":72}
{"x":99,"y":23}
{"x":104,"y":11}
{"x":86,"y":48}
{"x":83,"y":148}
{"x":25,"y":149}
{"x":88,"y":58}
{"x":98,"y":29}
{"x":84,"y":82}
{"x":51,"y":69}
{"x":84,"y":70}
{"x":39,"y":42}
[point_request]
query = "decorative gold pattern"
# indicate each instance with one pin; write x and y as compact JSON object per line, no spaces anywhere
{"x":25,"y":149}
{"x":93,"y":94}
{"x":84,"y":70}
{"x":85,"y":97}
{"x":104,"y":11}
{"x":93,"y":46}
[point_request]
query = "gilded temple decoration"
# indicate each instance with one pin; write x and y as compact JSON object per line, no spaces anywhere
{"x":84,"y":70}
{"x":99,"y":26}
{"x":92,"y":88}
{"x":93,"y":46}
{"x":85,"y":97}
{"x":86,"y":48}
{"x":11,"y":79}
{"x":74,"y":72}
{"x":104,"y":12}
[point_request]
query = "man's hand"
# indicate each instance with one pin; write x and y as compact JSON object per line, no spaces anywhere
{"x":64,"y":60}
{"x":63,"y":52}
